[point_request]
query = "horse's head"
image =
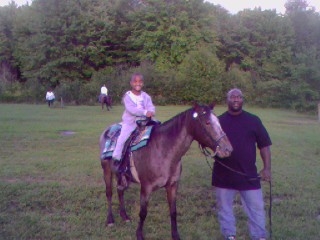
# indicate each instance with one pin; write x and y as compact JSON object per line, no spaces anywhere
{"x":208,"y":131}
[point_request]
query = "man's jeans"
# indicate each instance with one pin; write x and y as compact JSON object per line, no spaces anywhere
{"x":253,"y":205}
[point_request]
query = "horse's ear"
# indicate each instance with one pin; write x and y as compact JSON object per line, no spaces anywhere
{"x":212,"y":105}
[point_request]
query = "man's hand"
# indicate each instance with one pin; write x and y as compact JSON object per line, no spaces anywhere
{"x":265,"y":174}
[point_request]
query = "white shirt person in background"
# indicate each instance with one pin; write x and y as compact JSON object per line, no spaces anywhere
{"x":50,"y":97}
{"x":103,"y":92}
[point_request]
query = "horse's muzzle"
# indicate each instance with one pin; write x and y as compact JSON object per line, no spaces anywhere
{"x":224,"y":148}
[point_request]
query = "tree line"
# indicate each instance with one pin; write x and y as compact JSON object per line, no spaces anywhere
{"x":187,"y":50}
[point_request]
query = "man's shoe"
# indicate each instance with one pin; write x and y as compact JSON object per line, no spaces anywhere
{"x":231,"y":237}
{"x":115,"y":164}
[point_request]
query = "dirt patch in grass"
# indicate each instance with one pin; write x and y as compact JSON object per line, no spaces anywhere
{"x":67,"y":133}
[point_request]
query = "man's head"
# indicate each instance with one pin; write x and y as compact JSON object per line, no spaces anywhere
{"x":235,"y":101}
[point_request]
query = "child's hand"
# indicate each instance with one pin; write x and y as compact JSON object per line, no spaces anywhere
{"x":149,"y":114}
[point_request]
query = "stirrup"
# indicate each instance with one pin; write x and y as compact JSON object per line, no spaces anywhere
{"x":115,"y":165}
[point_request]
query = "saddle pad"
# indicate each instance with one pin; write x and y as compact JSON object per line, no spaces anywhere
{"x":142,"y":139}
{"x":113,"y":133}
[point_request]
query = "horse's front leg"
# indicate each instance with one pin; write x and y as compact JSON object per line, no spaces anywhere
{"x":123,"y":212}
{"x":144,"y":199}
{"x":171,"y":197}
{"x":107,"y":176}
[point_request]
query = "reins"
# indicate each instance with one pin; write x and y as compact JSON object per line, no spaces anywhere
{"x":208,"y":154}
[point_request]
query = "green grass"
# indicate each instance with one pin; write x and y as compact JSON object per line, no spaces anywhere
{"x":52,"y":188}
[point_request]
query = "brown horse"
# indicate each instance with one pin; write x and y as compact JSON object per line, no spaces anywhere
{"x":106,"y":100}
{"x":159,"y":163}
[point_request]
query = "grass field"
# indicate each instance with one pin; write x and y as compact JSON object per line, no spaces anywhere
{"x":52,"y":188}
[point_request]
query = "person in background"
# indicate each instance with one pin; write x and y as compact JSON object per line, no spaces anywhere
{"x":103,"y":91}
{"x":238,"y":173}
{"x":138,"y":104}
{"x":50,"y":97}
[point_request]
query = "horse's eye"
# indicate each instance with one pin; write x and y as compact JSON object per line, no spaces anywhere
{"x":204,"y":112}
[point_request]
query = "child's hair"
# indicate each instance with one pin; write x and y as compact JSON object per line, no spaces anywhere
{"x":133,"y":76}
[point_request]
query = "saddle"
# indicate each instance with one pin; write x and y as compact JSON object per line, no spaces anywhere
{"x":138,"y":139}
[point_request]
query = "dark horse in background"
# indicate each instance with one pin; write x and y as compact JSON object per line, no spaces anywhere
{"x":105,"y":100}
{"x":159,"y":164}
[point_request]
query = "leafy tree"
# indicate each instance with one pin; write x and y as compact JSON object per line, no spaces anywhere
{"x":199,"y":77}
{"x":9,"y":71}
{"x":304,"y":69}
{"x":191,"y":49}
{"x":167,"y":30}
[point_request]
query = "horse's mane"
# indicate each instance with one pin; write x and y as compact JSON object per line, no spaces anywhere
{"x":178,"y":116}
{"x":174,"y":122}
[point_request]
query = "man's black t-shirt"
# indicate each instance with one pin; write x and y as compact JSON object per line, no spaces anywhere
{"x":245,"y":132}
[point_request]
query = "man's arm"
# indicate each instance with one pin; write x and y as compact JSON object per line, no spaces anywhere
{"x":265,"y":154}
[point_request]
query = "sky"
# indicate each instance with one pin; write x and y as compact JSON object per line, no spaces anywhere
{"x":18,"y":2}
{"x":233,"y":6}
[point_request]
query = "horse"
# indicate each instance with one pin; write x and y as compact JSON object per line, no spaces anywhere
{"x":106,"y":100}
{"x":158,"y":164}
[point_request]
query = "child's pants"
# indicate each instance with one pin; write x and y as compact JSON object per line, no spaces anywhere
{"x":125,"y":133}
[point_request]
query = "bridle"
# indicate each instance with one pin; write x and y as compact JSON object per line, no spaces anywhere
{"x":216,"y":141}
{"x":208,"y":154}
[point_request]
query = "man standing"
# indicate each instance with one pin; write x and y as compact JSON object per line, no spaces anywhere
{"x":238,"y":173}
{"x":50,"y":97}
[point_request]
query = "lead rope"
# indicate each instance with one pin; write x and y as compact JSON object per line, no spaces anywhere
{"x":270,"y":207}
{"x":208,"y":154}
